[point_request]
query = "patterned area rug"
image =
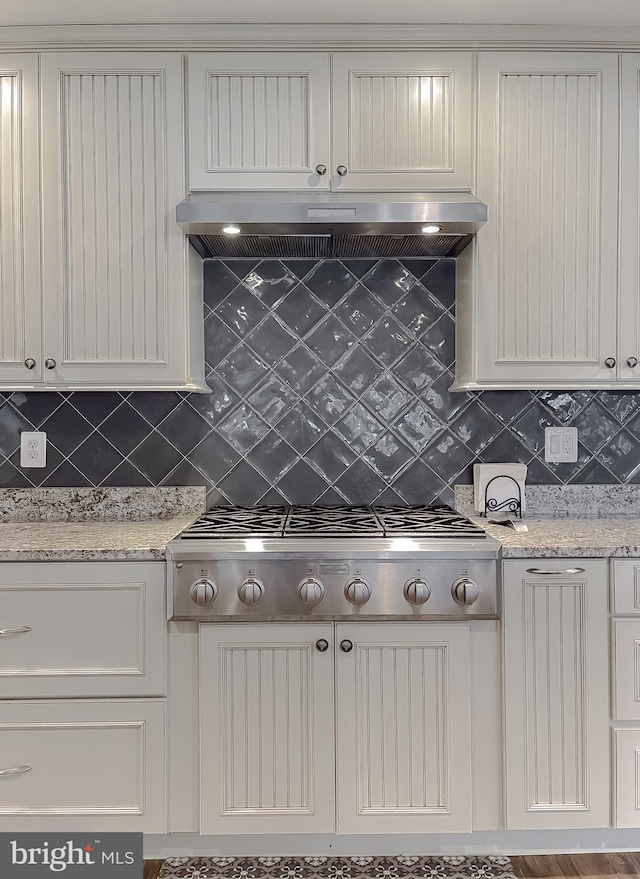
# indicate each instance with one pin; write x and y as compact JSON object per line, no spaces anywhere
{"x":354,"y":867}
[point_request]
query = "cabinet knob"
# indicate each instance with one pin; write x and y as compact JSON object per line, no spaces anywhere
{"x":50,"y":363}
{"x":321,"y":170}
{"x":610,"y":362}
{"x":30,"y":363}
{"x":322,"y":645}
{"x":346,"y":646}
{"x":342,"y":170}
{"x":632,"y":362}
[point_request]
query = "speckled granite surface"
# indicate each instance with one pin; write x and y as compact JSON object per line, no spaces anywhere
{"x":82,"y":504}
{"x":569,"y":501}
{"x":568,"y":538}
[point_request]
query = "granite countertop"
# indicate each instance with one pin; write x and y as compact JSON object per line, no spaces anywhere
{"x":568,"y":538}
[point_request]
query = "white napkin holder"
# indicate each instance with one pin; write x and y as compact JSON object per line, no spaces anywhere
{"x":499,"y":488}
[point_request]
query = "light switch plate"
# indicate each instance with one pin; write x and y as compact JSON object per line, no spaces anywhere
{"x":561,"y":444}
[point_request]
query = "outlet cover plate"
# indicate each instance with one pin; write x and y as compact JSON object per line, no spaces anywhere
{"x":561,"y":444}
{"x":33,"y":448}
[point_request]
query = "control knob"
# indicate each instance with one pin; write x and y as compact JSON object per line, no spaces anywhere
{"x":311,"y":591}
{"x":251,"y":591}
{"x":357,"y":591}
{"x":203,"y":592}
{"x":417,"y":591}
{"x":465,"y":591}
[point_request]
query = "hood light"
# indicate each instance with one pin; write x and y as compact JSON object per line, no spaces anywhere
{"x":232,"y":230}
{"x":431,"y":230}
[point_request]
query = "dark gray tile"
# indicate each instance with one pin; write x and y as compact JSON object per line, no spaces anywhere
{"x":127,"y":475}
{"x":565,"y":405}
{"x":418,"y":425}
{"x":417,"y":310}
{"x":505,"y":447}
{"x":125,"y":428}
{"x":219,"y":340}
{"x":594,"y":473}
{"x":389,"y":455}
{"x":444,"y":404}
{"x":272,"y":399}
{"x":389,"y":280}
{"x":565,"y":471}
{"x":155,"y":457}
{"x":447,"y":456}
{"x":242,"y":311}
{"x":418,"y":267}
{"x":388,"y":340}
{"x":622,"y":455}
{"x":507,"y":405}
{"x":241,"y":267}
{"x":11,"y":477}
{"x":440,"y":280}
{"x":300,"y":311}
{"x":330,"y":280}
{"x":417,"y":369}
{"x":530,"y":426}
{"x":301,"y":427}
{"x":387,"y":398}
{"x":184,"y":427}
{"x":439,"y":338}
{"x":12,"y":423}
{"x":66,"y":476}
{"x":301,"y":484}
{"x":214,"y":457}
{"x":330,"y":340}
{"x":219,"y":281}
{"x":95,"y":406}
{"x":389,"y":498}
{"x":359,"y":267}
{"x":360,"y":484}
{"x":633,"y":426}
{"x":243,"y":428}
{"x":242,"y":370}
{"x":37,"y":407}
{"x":215,"y":498}
{"x":622,"y":404}
{"x":185,"y":474}
{"x":330,"y":456}
{"x":300,"y":369}
{"x":243,"y":485}
{"x":214,"y":406}
{"x":300,"y":267}
{"x":595,"y":426}
{"x":96,"y":458}
{"x":66,"y":428}
{"x":359,"y":428}
{"x":271,"y":341}
{"x":357,"y":370}
{"x":154,"y":405}
{"x":360,"y":310}
{"x":331,"y":498}
{"x":273,"y":498}
{"x":329,"y":399}
{"x":418,"y":484}
{"x":539,"y":474}
{"x":272,"y":456}
{"x":270,"y":281}
{"x":37,"y":475}
{"x":475,"y":426}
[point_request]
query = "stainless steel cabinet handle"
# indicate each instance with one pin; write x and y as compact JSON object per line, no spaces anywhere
{"x":16,"y":770}
{"x":321,"y":170}
{"x":30,"y":363}
{"x":632,"y":362}
{"x":50,"y":363}
{"x":342,"y":170}
{"x":346,"y":646}
{"x":566,"y":571}
{"x":17,"y":630}
{"x":610,"y":362}
{"x":322,"y":645}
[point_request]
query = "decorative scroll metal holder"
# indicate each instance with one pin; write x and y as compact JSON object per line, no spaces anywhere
{"x":510,"y":504}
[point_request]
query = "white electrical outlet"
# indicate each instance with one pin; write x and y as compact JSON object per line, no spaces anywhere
{"x":561,"y":444}
{"x":33,"y":448}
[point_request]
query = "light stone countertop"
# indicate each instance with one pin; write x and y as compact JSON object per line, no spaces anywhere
{"x":568,"y":538}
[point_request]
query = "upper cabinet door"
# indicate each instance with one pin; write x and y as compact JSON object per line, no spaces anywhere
{"x":258,"y":120}
{"x":402,"y":120}
{"x":20,"y":326}
{"x":115,"y":260}
{"x":548,"y":169}
{"x":629,"y":365}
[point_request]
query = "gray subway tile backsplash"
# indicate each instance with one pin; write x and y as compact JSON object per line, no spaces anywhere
{"x":329,"y":385}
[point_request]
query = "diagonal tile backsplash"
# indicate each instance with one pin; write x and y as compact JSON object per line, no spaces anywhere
{"x":329,"y":385}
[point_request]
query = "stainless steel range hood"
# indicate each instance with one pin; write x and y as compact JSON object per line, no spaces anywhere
{"x":331,"y":224}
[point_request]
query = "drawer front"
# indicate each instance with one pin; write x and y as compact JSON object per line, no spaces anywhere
{"x":627,"y":777}
{"x":95,"y":629}
{"x":93,"y":765}
{"x":626,"y":673}
{"x":626,"y":586}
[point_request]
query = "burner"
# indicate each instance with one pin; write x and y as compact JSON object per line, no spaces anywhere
{"x":239,"y":522}
{"x":440,"y":521}
{"x":334,"y":521}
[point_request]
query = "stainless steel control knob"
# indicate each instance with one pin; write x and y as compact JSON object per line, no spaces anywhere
{"x":417,"y":591}
{"x":357,"y":591}
{"x":251,"y":591}
{"x":203,"y":592}
{"x":465,"y":591}
{"x":311,"y":591}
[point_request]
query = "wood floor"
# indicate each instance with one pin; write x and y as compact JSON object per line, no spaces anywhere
{"x":597,"y":866}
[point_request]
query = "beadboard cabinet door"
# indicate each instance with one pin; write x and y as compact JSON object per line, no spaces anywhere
{"x":556,"y":693}
{"x":404,"y":741}
{"x":20,"y":323}
{"x":258,"y":120}
{"x":542,"y":313}
{"x":119,"y":311}
{"x":266,"y":728}
{"x":402,"y":120}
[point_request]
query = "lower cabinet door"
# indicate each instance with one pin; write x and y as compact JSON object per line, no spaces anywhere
{"x":403,"y":697}
{"x":626,"y":744}
{"x":266,"y":728}
{"x":82,"y":765}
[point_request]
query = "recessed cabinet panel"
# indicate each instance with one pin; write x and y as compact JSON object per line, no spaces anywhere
{"x":20,"y":226}
{"x":627,"y":766}
{"x":629,"y":360}
{"x":626,"y":634}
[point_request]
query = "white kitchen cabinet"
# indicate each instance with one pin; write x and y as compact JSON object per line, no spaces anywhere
{"x":556,"y":694}
{"x":121,"y":292}
{"x":289,"y":120}
{"x":20,"y":292}
{"x":538,"y":301}
{"x":89,"y":765}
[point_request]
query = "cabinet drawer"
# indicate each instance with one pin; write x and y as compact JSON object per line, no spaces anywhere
{"x":626,"y":747}
{"x":93,"y":629}
{"x":93,"y":765}
{"x":626,"y":646}
{"x":626,"y":586}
